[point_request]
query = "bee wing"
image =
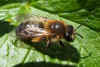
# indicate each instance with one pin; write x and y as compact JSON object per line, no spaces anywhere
{"x":36,"y":31}
{"x":40,"y":33}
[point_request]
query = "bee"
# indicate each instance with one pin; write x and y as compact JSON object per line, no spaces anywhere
{"x":37,"y":29}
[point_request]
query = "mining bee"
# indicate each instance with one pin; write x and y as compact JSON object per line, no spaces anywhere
{"x":37,"y":29}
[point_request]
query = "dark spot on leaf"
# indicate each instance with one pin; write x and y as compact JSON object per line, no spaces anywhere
{"x":67,"y":52}
{"x":5,"y":27}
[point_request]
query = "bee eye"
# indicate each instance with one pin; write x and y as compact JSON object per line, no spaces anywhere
{"x":69,"y":29}
{"x":68,"y":37}
{"x":68,"y":33}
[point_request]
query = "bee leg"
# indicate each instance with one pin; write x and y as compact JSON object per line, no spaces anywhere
{"x":48,"y":44}
{"x":61,"y":43}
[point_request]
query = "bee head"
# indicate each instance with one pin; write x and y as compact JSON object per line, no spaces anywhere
{"x":69,"y":33}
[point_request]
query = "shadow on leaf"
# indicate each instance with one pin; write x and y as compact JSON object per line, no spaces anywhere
{"x":5,"y":27}
{"x":68,"y":52}
{"x":42,"y":64}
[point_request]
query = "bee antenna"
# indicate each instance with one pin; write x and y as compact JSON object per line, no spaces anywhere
{"x":78,"y":27}
{"x":79,"y":35}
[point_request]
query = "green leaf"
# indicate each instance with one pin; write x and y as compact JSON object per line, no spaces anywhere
{"x":85,"y":12}
{"x":81,"y":53}
{"x":4,"y":2}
